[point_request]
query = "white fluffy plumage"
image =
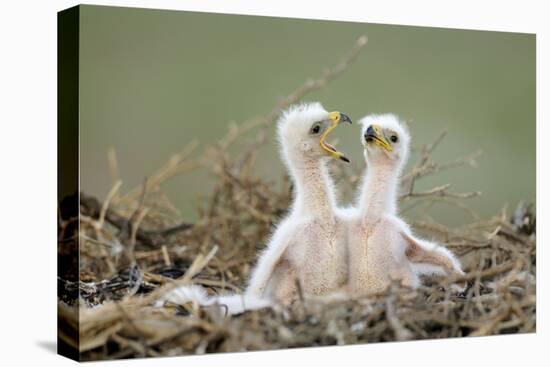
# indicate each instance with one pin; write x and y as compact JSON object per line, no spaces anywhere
{"x":381,"y":245}
{"x":309,"y":244}
{"x":323,"y":247}
{"x":233,"y":304}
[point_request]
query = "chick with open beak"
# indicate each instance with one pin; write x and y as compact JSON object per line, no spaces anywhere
{"x":335,"y":118}
{"x":308,"y":246}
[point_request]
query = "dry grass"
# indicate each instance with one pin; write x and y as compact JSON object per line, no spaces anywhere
{"x":134,"y":246}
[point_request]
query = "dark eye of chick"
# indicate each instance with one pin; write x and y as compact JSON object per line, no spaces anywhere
{"x":393,"y":138}
{"x":315,"y":129}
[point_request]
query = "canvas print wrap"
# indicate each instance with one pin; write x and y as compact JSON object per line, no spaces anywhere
{"x":239,"y":183}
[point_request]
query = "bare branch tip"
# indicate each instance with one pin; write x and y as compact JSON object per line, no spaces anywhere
{"x":362,"y":40}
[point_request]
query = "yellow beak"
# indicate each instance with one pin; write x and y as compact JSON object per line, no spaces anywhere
{"x":336,"y":119}
{"x":374,"y":135}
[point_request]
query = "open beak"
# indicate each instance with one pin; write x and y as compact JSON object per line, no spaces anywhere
{"x":374,"y":135}
{"x":336,"y":119}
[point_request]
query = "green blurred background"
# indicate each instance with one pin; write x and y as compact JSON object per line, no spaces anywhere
{"x":151,"y":81}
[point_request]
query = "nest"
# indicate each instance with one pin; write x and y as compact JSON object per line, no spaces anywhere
{"x":119,"y":255}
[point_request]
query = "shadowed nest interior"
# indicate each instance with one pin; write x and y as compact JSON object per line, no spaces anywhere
{"x":134,"y":246}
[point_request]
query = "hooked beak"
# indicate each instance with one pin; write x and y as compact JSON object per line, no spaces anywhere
{"x":336,"y":119}
{"x":374,"y":135}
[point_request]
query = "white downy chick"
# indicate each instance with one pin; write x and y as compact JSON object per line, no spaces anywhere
{"x":309,"y":245}
{"x":381,"y":245}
